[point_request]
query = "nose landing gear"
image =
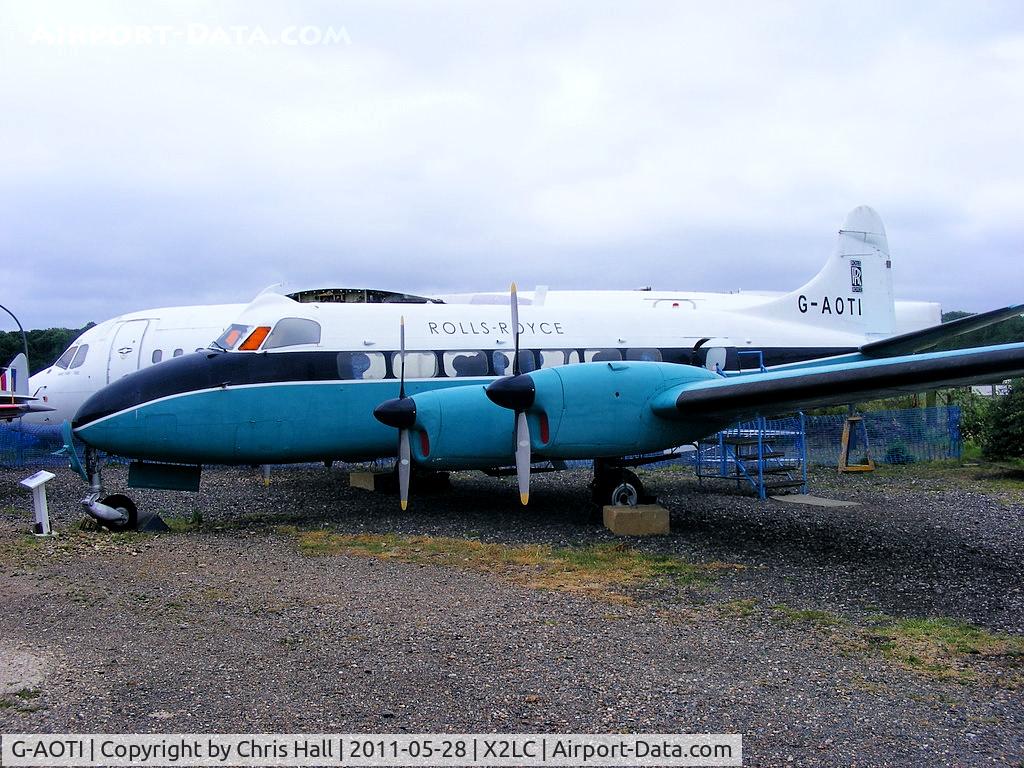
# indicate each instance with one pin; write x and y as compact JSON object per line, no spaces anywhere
{"x":116,"y":511}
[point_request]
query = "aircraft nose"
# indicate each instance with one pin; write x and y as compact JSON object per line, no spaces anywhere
{"x":181,"y":374}
{"x":113,"y":398}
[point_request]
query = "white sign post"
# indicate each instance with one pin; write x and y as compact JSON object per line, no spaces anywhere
{"x":37,"y":484}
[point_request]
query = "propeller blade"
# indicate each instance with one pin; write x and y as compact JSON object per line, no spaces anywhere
{"x":401,"y":353}
{"x":404,"y":468}
{"x":523,"y":457}
{"x":514,"y":299}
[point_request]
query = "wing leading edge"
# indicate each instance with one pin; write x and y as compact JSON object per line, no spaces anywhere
{"x":781,"y":391}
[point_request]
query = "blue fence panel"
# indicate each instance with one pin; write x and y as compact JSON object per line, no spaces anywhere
{"x":895,"y":437}
{"x":30,"y":445}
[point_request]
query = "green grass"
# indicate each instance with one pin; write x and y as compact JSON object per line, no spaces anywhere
{"x":742,"y":608}
{"x":943,"y":647}
{"x":179,"y":524}
{"x":596,"y":569}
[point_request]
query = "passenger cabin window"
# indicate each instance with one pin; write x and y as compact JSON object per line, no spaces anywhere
{"x":601,"y":355}
{"x":230,"y":338}
{"x":467,"y":363}
{"x":80,"y":356}
{"x":503,"y":362}
{"x":361,"y":365}
{"x":292,"y":331}
{"x":65,"y":359}
{"x":158,"y":355}
{"x":178,"y":352}
{"x":552,"y":358}
{"x":418,"y":365}
{"x":649,"y":355}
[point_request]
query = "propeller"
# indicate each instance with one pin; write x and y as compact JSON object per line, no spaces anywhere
{"x":522,"y":426}
{"x":400,"y":413}
{"x":404,"y":467}
{"x":516,"y":392}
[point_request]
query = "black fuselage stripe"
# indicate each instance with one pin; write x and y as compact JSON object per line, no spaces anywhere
{"x":211,"y":369}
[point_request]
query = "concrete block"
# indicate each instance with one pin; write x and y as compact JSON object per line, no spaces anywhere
{"x":641,"y":520}
{"x":371,"y":481}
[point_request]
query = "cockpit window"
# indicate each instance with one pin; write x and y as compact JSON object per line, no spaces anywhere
{"x":230,"y":338}
{"x":80,"y":356}
{"x":291,"y":331}
{"x":65,"y":359}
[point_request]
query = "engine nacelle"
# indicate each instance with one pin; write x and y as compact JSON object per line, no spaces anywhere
{"x":603,"y":409}
{"x":460,"y":428}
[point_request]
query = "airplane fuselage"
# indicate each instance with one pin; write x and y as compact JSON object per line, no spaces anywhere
{"x":313,"y":400}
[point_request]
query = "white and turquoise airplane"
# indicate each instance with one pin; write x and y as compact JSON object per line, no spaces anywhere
{"x":297,"y":382}
{"x":137,"y":340}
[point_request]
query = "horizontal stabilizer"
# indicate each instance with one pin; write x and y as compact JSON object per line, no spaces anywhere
{"x":771,"y":392}
{"x":9,"y":410}
{"x":915,"y":341}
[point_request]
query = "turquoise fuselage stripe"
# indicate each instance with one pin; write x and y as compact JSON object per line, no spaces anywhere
{"x":262,"y":423}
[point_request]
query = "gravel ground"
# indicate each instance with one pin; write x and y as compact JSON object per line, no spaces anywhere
{"x":230,"y":628}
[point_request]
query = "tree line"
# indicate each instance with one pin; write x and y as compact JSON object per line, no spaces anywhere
{"x":45,"y":345}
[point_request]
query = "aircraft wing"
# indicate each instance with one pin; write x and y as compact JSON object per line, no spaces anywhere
{"x":915,"y":341}
{"x":781,"y":391}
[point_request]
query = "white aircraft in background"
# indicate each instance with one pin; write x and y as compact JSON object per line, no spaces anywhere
{"x":910,"y":315}
{"x":120,"y":346}
{"x":137,"y":340}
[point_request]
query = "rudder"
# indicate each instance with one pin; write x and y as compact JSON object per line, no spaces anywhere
{"x":853,"y":291}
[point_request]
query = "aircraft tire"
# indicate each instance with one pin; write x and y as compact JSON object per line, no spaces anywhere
{"x":618,"y":488}
{"x":125,"y":504}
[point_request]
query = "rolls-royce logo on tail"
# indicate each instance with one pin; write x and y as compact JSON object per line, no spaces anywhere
{"x":856,"y":277}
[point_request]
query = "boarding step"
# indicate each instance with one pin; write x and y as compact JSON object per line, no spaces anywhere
{"x":731,"y":440}
{"x":760,"y":454}
{"x":764,"y":455}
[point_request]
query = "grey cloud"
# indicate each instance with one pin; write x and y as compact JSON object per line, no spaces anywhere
{"x":574,"y":144}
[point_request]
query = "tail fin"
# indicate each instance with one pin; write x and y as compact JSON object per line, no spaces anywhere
{"x":853,"y":291}
{"x":14,"y":378}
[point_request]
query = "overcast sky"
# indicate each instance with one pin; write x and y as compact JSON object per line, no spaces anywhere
{"x":156,"y":154}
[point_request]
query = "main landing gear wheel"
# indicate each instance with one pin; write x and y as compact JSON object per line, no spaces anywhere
{"x":616,"y":487}
{"x":124,"y":504}
{"x":629,"y":490}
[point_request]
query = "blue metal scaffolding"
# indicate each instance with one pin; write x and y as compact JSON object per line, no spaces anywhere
{"x":767,"y":456}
